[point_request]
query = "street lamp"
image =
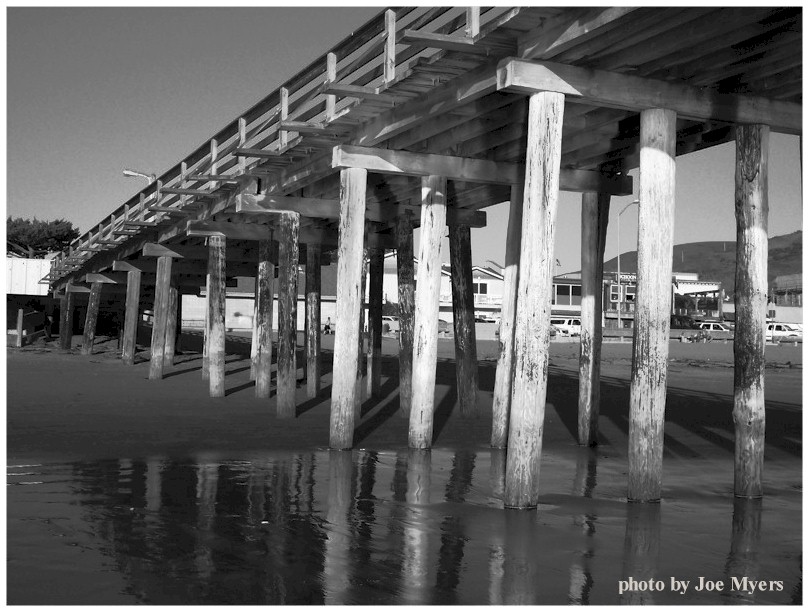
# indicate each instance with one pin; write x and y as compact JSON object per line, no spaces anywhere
{"x":619,"y":258}
{"x":143,"y":175}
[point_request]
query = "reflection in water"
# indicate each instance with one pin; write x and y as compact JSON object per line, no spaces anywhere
{"x":642,"y":543}
{"x":363,"y":527}
{"x":581,"y":577}
{"x":745,"y":533}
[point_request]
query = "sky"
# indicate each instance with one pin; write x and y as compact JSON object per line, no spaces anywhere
{"x":91,"y":91}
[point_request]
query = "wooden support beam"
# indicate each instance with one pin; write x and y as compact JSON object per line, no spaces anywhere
{"x":648,"y":379}
{"x":331,"y":77}
{"x":273,"y":204}
{"x":288,"y":225}
{"x":170,"y":211}
{"x":131,"y":316}
{"x":426,"y":320}
{"x":160,"y":317}
{"x":197,"y":193}
{"x":464,"y":319}
{"x":363,"y":92}
{"x":533,"y":308}
{"x":304,"y":127}
{"x":751,"y":278}
{"x":205,"y":371}
{"x":406,"y":288}
{"x":616,"y":90}
{"x":390,"y":47}
{"x":256,"y":153}
{"x":91,"y":318}
{"x":216,"y":316}
{"x":66,"y":319}
{"x":106,"y":277}
{"x":233,"y":231}
{"x":375,"y":323}
{"x":75,"y":288}
{"x":264,"y":316}
{"x":170,"y":346}
{"x":313,"y":331}
{"x":474,"y":170}
{"x":473,"y":26}
{"x":347,"y":307}
{"x":435,"y":40}
{"x":210,"y":177}
{"x":138,"y":224}
{"x":595,"y":209}
{"x":284,"y":111}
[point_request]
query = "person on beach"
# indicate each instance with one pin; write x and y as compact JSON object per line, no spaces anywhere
{"x":327,"y":327}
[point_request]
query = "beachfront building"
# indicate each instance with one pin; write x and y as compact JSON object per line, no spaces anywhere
{"x":427,"y":116}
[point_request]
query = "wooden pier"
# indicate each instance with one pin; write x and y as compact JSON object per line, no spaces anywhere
{"x":425,"y":117}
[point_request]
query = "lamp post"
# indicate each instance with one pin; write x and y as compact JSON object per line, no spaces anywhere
{"x":619,"y":259}
{"x":150,"y":178}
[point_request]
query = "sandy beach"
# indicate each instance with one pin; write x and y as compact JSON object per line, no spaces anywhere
{"x":104,"y":429}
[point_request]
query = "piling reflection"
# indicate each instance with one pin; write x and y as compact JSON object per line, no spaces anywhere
{"x":415,"y":582}
{"x":336,"y":566}
{"x":745,"y":535}
{"x":581,"y":579}
{"x":642,"y":544}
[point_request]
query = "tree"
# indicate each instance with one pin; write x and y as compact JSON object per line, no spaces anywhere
{"x":38,"y":238}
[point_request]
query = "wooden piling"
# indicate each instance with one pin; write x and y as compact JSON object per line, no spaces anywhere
{"x":206,"y":360}
{"x":426,"y":320}
{"x":160,"y":316}
{"x":171,"y":326}
{"x":595,"y":208}
{"x":648,"y":378}
{"x":375,"y":322}
{"x":751,"y":299}
{"x":131,"y":316}
{"x":533,"y":307}
{"x":216,"y":316}
{"x":313,"y":297}
{"x":361,"y":325}
{"x":66,"y":319}
{"x":254,"y":336}
{"x":464,"y":319}
{"x":405,"y":279}
{"x":504,"y":372}
{"x":348,"y":303}
{"x":91,"y":318}
{"x":264,"y":318}
{"x":287,"y":313}
{"x":19,"y":340}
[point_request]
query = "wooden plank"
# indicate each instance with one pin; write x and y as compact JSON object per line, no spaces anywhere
{"x":615,"y":90}
{"x":91,"y":317}
{"x":272,"y":204}
{"x":131,"y":315}
{"x":288,"y":225}
{"x":233,"y":231}
{"x":284,"y":111}
{"x":313,"y":331}
{"x":570,"y":28}
{"x":461,"y":286}
{"x":375,"y":323}
{"x":751,"y":279}
{"x":305,"y":127}
{"x":533,"y":308}
{"x":426,"y":320}
{"x":502,"y":391}
{"x":347,"y":306}
{"x":362,"y":92}
{"x":648,"y":377}
{"x":264,"y":314}
{"x":595,"y":209}
{"x":390,"y":47}
{"x":473,"y":26}
{"x":197,"y":193}
{"x":331,"y":77}
{"x":138,"y":223}
{"x":216,"y":316}
{"x":105,"y":277}
{"x":160,"y":317}
{"x":473,"y":170}
{"x":406,"y":288}
{"x":211,"y":177}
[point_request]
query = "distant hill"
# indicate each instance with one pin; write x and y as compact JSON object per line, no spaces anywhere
{"x":716,"y":260}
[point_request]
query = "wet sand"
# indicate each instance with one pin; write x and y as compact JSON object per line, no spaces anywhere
{"x":125,"y":490}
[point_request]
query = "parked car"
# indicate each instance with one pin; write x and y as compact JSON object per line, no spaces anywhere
{"x":445,"y":327}
{"x":777,"y":331}
{"x":567,"y":326}
{"x":682,"y":322}
{"x":713,"y":326}
{"x":390,"y":324}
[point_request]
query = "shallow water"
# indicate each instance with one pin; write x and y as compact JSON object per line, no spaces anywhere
{"x":387,"y":527}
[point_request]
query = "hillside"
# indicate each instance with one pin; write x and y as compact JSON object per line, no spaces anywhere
{"x":716,"y":260}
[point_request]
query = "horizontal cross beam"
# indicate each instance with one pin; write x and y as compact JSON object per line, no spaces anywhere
{"x":615,"y":90}
{"x":388,"y":161}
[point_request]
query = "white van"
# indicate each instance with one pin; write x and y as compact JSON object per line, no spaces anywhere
{"x":776,"y":331}
{"x":712,"y":326}
{"x":568,"y":326}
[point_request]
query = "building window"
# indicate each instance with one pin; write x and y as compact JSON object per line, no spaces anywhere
{"x":615,"y":293}
{"x":576,"y":295}
{"x":630,"y":293}
{"x":563,"y":294}
{"x":479,"y":288}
